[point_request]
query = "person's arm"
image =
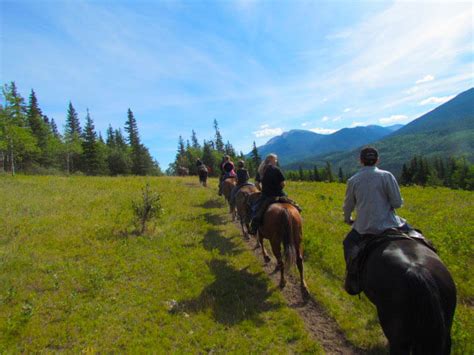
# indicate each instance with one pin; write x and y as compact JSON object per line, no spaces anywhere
{"x":349,"y":203}
{"x":393,"y":191}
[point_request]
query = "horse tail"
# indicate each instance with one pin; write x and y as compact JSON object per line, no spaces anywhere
{"x":288,"y":239}
{"x":429,"y":328}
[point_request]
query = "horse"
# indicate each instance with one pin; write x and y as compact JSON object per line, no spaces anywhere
{"x":282,"y":224}
{"x":183,"y":171}
{"x":228,"y":185}
{"x":414,"y":294}
{"x":241,"y":203}
{"x":203,"y":172}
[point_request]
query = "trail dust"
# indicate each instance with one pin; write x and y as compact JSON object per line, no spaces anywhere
{"x":318,"y":323}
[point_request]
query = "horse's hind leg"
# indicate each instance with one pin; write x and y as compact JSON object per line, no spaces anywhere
{"x":264,"y":252}
{"x":299,"y":263}
{"x":279,"y":267}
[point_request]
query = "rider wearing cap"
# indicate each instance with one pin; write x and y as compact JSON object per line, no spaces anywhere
{"x":374,"y":194}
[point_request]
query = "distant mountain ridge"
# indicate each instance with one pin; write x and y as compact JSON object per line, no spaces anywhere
{"x":448,"y":130}
{"x":298,"y":144}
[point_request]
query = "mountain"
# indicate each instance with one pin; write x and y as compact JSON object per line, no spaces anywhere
{"x":297,"y":145}
{"x":448,"y":130}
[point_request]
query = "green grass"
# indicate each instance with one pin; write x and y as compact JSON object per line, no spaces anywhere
{"x":73,"y":277}
{"x":445,"y":217}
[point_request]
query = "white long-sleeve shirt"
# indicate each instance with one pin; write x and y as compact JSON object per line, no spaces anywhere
{"x":374,"y":194}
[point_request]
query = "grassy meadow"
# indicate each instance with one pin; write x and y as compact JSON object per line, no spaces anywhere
{"x":73,"y":277}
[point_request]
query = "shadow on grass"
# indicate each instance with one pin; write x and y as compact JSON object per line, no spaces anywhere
{"x":215,"y":219}
{"x":214,"y":203}
{"x":214,"y":239}
{"x":234,"y":296}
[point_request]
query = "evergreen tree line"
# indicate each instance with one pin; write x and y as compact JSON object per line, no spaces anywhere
{"x":324,"y":173}
{"x":30,"y":142}
{"x":210,"y":152}
{"x":456,"y":173}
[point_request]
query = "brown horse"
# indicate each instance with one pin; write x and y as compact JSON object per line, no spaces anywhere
{"x":282,"y":224}
{"x":241,"y":203}
{"x":227,"y":187}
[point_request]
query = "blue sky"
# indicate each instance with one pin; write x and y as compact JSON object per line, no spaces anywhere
{"x":258,"y":67}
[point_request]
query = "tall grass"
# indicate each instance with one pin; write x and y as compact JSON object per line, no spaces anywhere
{"x":74,"y":277}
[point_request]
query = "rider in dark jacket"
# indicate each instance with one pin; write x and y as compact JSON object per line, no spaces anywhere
{"x":272,"y":182}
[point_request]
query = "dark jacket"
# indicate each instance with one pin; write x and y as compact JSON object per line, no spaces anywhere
{"x":271,"y":182}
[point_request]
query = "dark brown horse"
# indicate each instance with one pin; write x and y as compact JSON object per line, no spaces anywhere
{"x":227,"y":187}
{"x":282,"y":224}
{"x":241,"y":203}
{"x":414,"y":294}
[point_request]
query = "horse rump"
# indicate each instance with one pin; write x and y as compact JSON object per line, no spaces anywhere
{"x":430,"y":331}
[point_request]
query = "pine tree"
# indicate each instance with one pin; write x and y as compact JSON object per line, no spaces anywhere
{"x":219,"y":143}
{"x":194,"y":141}
{"x":39,"y":128}
{"x":329,"y":175}
{"x":16,"y":139}
{"x":110,"y":140}
{"x":118,"y":158}
{"x":256,"y":159}
{"x":138,"y":155}
{"x":301,"y":173}
{"x":72,"y":121}
{"x":15,"y":105}
{"x":340,"y":175}
{"x":316,"y":175}
{"x":229,"y":149}
{"x":208,"y":157}
{"x":90,"y":154}
{"x":405,"y":178}
{"x":72,"y":140}
{"x":54,"y":128}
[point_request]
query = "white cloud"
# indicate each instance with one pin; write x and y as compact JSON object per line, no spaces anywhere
{"x":436,"y":100}
{"x":357,"y":124}
{"x":268,"y":132}
{"x":323,"y":130}
{"x":335,"y":119}
{"x":393,"y":119}
{"x":304,"y":124}
{"x":425,"y":79}
{"x":325,"y":118}
{"x":264,"y":126}
{"x":347,"y":109}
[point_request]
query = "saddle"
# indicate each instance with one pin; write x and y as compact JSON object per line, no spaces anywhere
{"x":369,"y":243}
{"x":270,"y":201}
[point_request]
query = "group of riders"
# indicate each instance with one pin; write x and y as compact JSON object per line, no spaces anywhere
{"x":372,"y":193}
{"x":390,"y":261}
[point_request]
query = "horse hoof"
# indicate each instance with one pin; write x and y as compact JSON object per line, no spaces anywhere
{"x":282,"y":284}
{"x":267,"y":258}
{"x":304,"y":292}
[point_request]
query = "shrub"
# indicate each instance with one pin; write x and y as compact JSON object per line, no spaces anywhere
{"x":146,"y":209}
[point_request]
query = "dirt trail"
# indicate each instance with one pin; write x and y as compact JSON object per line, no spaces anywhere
{"x":321,"y":327}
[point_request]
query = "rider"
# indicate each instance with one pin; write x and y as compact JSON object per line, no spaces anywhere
{"x":202,"y":172}
{"x":375,"y":195}
{"x":272,"y":181}
{"x":242,"y":180}
{"x":227,"y":171}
